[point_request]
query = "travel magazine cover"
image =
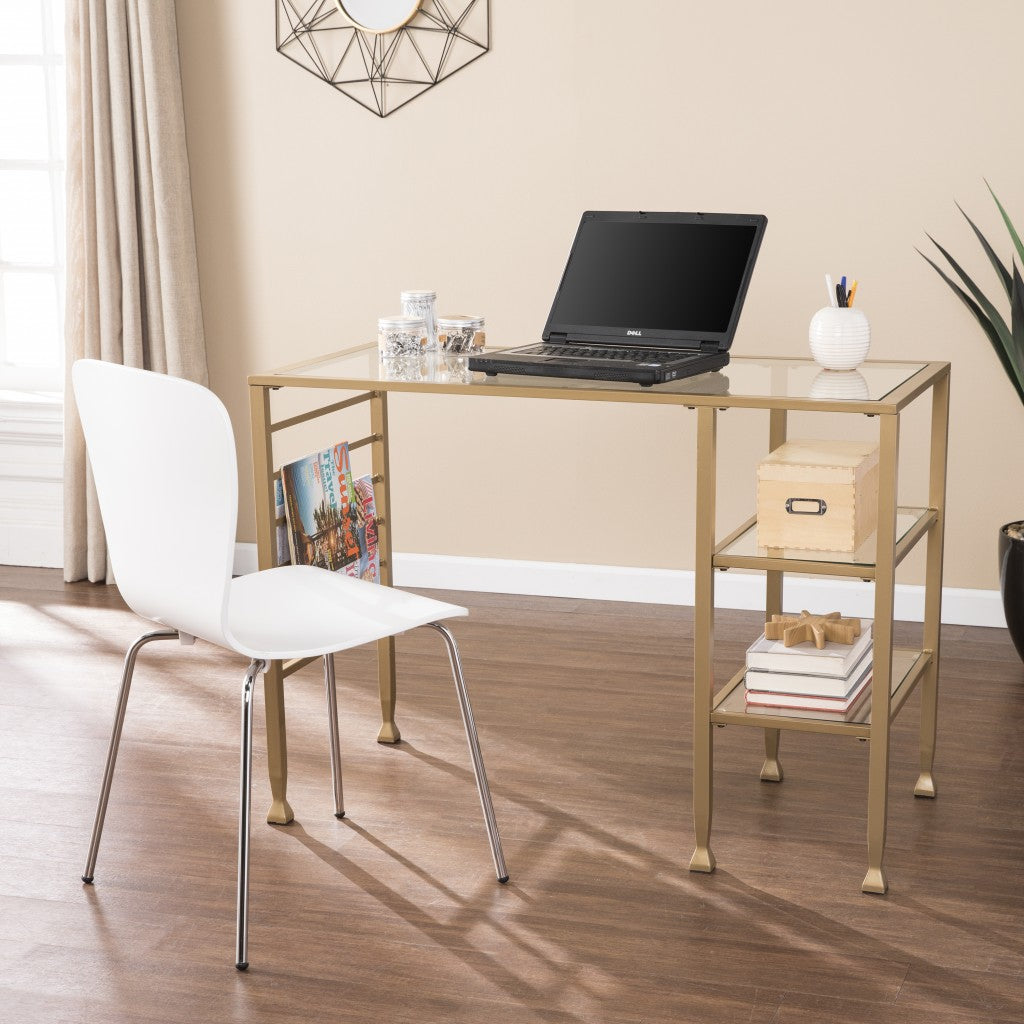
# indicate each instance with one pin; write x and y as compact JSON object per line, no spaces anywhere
{"x":281,"y":529}
{"x":331,"y":519}
{"x":368,"y":567}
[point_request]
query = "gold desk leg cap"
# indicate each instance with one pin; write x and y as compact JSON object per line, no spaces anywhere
{"x":925,"y":785}
{"x":703,"y":860}
{"x":874,"y":881}
{"x":280,"y":813}
{"x":389,"y":733}
{"x":771,"y":770}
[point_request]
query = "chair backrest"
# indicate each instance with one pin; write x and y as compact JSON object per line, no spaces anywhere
{"x":163,"y":458}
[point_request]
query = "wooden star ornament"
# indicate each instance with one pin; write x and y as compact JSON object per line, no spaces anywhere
{"x":808,"y":628}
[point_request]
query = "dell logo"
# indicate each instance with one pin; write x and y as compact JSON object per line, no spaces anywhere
{"x":635,"y":334}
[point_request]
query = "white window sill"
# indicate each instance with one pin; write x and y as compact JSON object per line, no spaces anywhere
{"x":31,"y":417}
{"x":31,"y":477}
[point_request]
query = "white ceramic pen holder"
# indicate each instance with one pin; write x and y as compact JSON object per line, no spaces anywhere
{"x":840,"y":337}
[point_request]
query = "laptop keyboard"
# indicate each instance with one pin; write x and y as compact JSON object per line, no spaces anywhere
{"x":633,"y":355}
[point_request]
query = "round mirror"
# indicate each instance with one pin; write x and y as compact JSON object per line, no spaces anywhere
{"x":379,"y":16}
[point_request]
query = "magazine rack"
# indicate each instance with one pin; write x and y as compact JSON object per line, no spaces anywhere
{"x":884,"y":390}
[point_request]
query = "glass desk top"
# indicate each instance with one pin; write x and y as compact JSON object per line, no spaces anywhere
{"x":758,"y":382}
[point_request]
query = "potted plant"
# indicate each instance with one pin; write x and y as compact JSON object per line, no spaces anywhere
{"x":1008,"y":342}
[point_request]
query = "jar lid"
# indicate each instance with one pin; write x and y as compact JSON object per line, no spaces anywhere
{"x":460,"y":320}
{"x":403,"y":323}
{"x":418,"y":295}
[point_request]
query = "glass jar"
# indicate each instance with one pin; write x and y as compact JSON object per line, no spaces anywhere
{"x":460,"y":333}
{"x":407,"y":368}
{"x":401,"y":336}
{"x":424,"y":305}
{"x":457,"y":368}
{"x":443,"y":368}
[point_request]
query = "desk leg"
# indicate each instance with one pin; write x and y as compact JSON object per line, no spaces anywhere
{"x":280,"y":812}
{"x":382,"y":497}
{"x":771,"y":770}
{"x":881,"y":689}
{"x":933,"y":586}
{"x":703,"y":642}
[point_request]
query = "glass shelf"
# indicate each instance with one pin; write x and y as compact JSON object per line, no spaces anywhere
{"x":742,"y":551}
{"x":730,"y":706}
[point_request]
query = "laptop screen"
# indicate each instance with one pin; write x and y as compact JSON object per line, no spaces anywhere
{"x":671,"y":279}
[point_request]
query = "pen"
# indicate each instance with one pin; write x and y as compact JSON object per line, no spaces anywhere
{"x":840,"y":296}
{"x":842,"y":281}
{"x":831,"y":289}
{"x":853,"y":292}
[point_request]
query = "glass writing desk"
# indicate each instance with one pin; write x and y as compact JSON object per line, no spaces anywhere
{"x":878,"y":389}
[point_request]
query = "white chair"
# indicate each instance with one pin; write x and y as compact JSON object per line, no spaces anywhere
{"x":163,"y":458}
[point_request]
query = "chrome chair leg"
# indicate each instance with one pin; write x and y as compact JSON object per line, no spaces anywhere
{"x":244,"y":806}
{"x":332,"y":730}
{"x":474,"y":751}
{"x":115,"y":741}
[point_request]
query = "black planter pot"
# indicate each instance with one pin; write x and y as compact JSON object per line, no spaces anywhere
{"x":1011,"y":584}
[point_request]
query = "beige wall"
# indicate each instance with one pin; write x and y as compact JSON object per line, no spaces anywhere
{"x":853,"y":135}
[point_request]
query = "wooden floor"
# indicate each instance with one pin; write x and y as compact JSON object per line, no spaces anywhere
{"x":394,"y":915}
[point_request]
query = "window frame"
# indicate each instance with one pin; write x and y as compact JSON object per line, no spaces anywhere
{"x":48,"y":379}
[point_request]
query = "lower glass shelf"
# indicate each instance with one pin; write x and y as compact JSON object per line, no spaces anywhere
{"x":729,"y":706}
{"x":740,"y":550}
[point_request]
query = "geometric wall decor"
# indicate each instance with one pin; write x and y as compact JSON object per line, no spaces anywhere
{"x":383,"y":53}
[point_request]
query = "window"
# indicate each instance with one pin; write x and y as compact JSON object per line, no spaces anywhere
{"x":32,"y":137}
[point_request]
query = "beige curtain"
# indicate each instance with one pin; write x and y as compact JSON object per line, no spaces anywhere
{"x":132,"y":280}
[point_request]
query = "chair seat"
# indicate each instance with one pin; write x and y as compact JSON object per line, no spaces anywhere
{"x":299,"y":611}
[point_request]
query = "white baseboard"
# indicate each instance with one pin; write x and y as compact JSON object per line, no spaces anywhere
{"x":733,"y":589}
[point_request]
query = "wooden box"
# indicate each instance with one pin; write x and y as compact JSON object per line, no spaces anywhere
{"x":818,"y":495}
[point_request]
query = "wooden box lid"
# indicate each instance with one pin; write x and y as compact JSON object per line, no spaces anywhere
{"x":825,"y":461}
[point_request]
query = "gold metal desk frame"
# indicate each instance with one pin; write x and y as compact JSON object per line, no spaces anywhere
{"x":777,"y":385}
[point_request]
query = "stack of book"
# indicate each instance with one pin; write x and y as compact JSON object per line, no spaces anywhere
{"x":832,"y":684}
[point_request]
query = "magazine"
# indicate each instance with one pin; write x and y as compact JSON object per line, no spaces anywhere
{"x":319,"y":499}
{"x":368,"y":565}
{"x":331,"y":519}
{"x":281,"y":530}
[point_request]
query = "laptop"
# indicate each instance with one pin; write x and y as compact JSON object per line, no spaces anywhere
{"x":645,"y":297}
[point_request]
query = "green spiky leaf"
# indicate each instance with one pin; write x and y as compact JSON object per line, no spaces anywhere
{"x":1016,"y":378}
{"x":1007,"y":341}
{"x":980,"y":297}
{"x":1009,"y":225}
{"x":1017,"y":318}
{"x":997,"y":263}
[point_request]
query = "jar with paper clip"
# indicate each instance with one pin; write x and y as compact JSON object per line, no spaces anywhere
{"x":460,"y":333}
{"x":401,"y":337}
{"x":423,"y":304}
